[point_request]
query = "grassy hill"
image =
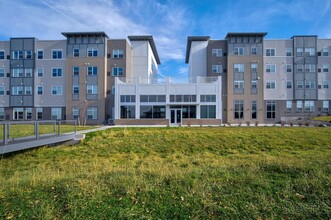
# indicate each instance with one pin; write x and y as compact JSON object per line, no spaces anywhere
{"x":174,"y":173}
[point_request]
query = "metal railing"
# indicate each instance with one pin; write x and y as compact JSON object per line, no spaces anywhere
{"x":28,"y":130}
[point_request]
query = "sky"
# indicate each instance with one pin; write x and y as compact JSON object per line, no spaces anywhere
{"x":169,"y":21}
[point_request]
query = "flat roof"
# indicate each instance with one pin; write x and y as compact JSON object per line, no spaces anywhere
{"x":304,"y":36}
{"x":84,"y":34}
{"x":249,"y":34}
{"x":150,"y":39}
{"x":189,"y":42}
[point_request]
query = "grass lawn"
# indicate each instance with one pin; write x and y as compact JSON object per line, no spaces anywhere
{"x":174,"y":173}
{"x":323,"y":118}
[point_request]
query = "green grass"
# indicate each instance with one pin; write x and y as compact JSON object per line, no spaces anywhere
{"x":174,"y":173}
{"x":323,"y":118}
{"x":23,"y":130}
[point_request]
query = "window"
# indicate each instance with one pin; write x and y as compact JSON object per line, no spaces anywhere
{"x":151,"y":98}
{"x":183,"y":98}
{"x":75,"y":89}
{"x":238,"y":84}
{"x":270,"y":85}
{"x":28,"y":113}
{"x":92,"y":113}
{"x":18,"y":73}
{"x":208,"y":111}
{"x":207,"y":98}
{"x":40,"y":54}
{"x":254,"y":85}
{"x":113,"y":90}
{"x":56,"y":113}
{"x":216,"y":52}
{"x":75,"y":70}
{"x":309,"y":106}
{"x":118,"y":53}
{"x":17,"y":90}
{"x":270,"y":52}
{"x":289,"y":84}
{"x":28,"y":72}
{"x":57,"y":90}
{"x":57,"y":72}
{"x":254,"y":109}
{"x":310,"y":68}
{"x":270,"y":68}
{"x":217,"y":68}
{"x":299,"y":52}
{"x":271,"y":109}
{"x":39,"y":90}
{"x":18,"y":113}
{"x":310,"y":84}
{"x":325,"y":68}
{"x":2,"y":72}
{"x":238,"y":109}
{"x":299,"y":106}
{"x":2,"y":90}
{"x":28,"y":90}
{"x":310,"y":51}
{"x":39,"y":115}
{"x":288,"y":52}
{"x":189,"y":111}
{"x":128,"y":111}
{"x":150,"y":111}
{"x":254,"y":68}
{"x":75,"y":52}
{"x":325,"y":84}
{"x":2,"y":54}
{"x":289,"y":106}
{"x":28,"y":54}
{"x":253,"y":51}
{"x":325,"y":51}
{"x":2,"y":113}
{"x":238,"y":51}
{"x":118,"y":71}
{"x":289,"y":68}
{"x":92,"y":89}
{"x":238,"y":68}
{"x":300,"y":84}
{"x":57,"y":54}
{"x":75,"y":112}
{"x":92,"y":52}
{"x":128,"y":98}
{"x":300,"y":68}
{"x":92,"y":70}
{"x":17,"y":54}
{"x":325,"y":106}
{"x":40,"y":72}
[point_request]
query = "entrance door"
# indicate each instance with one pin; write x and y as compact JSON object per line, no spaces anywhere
{"x":175,"y":116}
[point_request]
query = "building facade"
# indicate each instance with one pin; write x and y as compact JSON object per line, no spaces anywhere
{"x":265,"y":80}
{"x":91,"y":78}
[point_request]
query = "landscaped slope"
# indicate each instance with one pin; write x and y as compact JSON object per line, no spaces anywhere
{"x":174,"y":173}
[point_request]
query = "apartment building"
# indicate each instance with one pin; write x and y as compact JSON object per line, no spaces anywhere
{"x":265,"y":80}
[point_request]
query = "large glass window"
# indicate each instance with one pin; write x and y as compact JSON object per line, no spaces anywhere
{"x":238,"y":109}
{"x":2,"y":113}
{"x":207,"y":98}
{"x":128,"y":98}
{"x":57,"y":90}
{"x":39,"y":115}
{"x":189,"y":111}
{"x":254,"y":109}
{"x":2,"y":72}
{"x":18,"y":113}
{"x":75,"y":113}
{"x":149,"y":111}
{"x":216,"y":52}
{"x":92,"y":89}
{"x":128,"y":111}
{"x":270,"y":68}
{"x":309,"y":106}
{"x":299,"y":106}
{"x":325,"y":106}
{"x":271,"y":109}
{"x":56,"y":113}
{"x":57,"y":72}
{"x":289,"y":106}
{"x":183,"y":98}
{"x":310,"y":68}
{"x":208,"y":111}
{"x":152,"y":98}
{"x":17,"y":54}
{"x":17,"y":90}
{"x":270,"y":52}
{"x":299,"y":52}
{"x":92,"y":113}
{"x":18,"y":72}
{"x":310,"y":51}
{"x":238,"y":51}
{"x":238,"y":68}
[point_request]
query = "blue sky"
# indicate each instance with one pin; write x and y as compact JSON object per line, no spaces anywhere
{"x":169,"y":21}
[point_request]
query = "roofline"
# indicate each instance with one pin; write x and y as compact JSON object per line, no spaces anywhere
{"x":260,"y":34}
{"x":189,"y":42}
{"x":150,"y":39}
{"x":89,"y":34}
{"x":304,"y":36}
